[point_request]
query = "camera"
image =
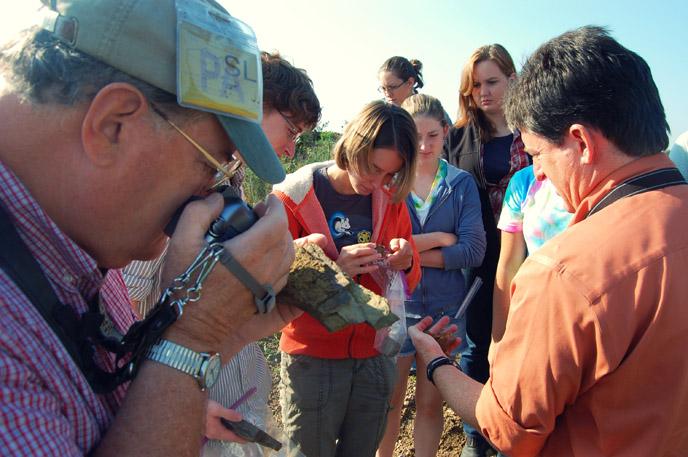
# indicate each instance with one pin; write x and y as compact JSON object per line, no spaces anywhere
{"x":236,"y":217}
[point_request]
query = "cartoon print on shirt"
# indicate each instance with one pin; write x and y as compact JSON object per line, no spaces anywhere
{"x":339,"y":225}
{"x":364,"y":236}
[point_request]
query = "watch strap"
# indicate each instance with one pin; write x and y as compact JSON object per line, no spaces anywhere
{"x":438,"y":362}
{"x":263,"y":294}
{"x":178,"y":357}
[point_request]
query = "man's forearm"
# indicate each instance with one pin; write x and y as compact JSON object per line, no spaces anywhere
{"x":163,"y":414}
{"x":459,"y":391}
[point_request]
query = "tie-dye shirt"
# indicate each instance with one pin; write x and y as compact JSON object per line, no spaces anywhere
{"x":534,"y":208}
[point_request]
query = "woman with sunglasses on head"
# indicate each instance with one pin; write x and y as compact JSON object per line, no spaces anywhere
{"x":481,"y":143}
{"x":449,"y":235}
{"x":335,"y":385}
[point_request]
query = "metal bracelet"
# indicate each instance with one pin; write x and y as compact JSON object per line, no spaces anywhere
{"x":143,"y":334}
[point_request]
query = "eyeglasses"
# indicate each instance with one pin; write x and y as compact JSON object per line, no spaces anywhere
{"x":224,"y":171}
{"x":294,"y":132}
{"x":388,"y":89}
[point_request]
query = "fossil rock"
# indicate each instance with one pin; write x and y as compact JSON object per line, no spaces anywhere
{"x":317,"y":285}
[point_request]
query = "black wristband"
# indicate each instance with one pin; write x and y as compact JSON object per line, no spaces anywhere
{"x":263,"y":294}
{"x":438,"y":362}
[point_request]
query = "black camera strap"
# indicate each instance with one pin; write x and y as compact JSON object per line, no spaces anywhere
{"x":652,"y":180}
{"x":23,"y":269}
{"x":16,"y":260}
{"x":79,"y":335}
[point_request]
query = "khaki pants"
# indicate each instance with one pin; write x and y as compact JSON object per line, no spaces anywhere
{"x":335,"y":407}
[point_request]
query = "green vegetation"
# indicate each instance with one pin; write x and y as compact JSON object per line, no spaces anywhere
{"x":314,"y":146}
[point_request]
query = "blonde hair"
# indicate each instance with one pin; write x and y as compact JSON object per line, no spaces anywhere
{"x":469,"y":112}
{"x":380,"y":125}
{"x":425,"y":105}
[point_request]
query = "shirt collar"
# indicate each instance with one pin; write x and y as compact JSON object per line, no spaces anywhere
{"x":65,"y":263}
{"x":636,"y":167}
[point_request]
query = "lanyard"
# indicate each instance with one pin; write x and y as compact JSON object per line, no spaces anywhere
{"x":652,"y":180}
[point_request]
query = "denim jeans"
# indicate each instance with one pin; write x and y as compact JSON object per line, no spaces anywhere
{"x":478,"y":336}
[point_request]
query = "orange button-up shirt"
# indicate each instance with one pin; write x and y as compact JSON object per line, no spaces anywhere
{"x":593,"y":361}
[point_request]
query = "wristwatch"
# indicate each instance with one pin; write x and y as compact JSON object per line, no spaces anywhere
{"x":202,"y":366}
{"x":438,"y":362}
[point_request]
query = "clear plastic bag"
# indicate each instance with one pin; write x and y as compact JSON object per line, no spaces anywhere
{"x":388,"y":340}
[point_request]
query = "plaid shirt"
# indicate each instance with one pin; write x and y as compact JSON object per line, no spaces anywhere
{"x":46,"y":405}
{"x":518,"y":159}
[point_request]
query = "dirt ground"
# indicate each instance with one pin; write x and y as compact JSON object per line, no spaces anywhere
{"x":452,"y":438}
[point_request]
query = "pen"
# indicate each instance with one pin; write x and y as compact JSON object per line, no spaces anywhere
{"x":477,"y":282}
{"x":241,"y":400}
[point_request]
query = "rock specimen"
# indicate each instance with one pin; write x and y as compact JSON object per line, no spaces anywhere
{"x":445,"y":339}
{"x":318,"y":286}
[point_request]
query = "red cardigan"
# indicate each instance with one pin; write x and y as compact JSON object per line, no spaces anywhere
{"x":306,"y":335}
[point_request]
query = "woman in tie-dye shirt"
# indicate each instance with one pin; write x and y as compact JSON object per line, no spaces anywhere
{"x":532,"y":213}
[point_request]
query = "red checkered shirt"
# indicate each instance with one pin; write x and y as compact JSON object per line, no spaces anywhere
{"x":46,"y":405}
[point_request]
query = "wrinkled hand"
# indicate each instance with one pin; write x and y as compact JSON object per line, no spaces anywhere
{"x":214,"y":430}
{"x":427,"y":347}
{"x":357,"y":259}
{"x":266,"y":250}
{"x":402,"y":254}
{"x":260,"y":326}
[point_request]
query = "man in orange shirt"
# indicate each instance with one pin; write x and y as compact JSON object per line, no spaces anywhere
{"x":592,"y":360}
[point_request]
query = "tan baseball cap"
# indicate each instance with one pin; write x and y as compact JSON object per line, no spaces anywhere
{"x":139,"y":37}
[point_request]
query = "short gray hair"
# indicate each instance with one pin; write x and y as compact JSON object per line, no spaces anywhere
{"x":41,"y":69}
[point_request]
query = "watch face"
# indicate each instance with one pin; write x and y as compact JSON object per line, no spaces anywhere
{"x":212,"y":371}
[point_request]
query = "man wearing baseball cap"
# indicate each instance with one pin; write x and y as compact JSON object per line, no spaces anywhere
{"x":113,"y":114}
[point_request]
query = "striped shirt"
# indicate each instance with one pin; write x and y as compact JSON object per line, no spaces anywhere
{"x":245,"y":370}
{"x":46,"y":405}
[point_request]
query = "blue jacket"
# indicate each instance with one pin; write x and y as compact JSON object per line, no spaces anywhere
{"x":455,"y":210}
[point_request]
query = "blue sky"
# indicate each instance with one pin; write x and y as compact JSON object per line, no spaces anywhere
{"x":342,"y":43}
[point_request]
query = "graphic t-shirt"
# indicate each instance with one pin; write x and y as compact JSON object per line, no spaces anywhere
{"x":534,"y":208}
{"x":349,"y":217}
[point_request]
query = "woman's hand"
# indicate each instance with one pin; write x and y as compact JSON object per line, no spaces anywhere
{"x":315,"y":238}
{"x":214,"y":430}
{"x":357,"y":259}
{"x":401,"y":257}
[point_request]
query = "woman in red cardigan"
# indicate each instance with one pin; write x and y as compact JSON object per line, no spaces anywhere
{"x":335,"y":386}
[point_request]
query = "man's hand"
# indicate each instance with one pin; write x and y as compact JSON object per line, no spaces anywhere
{"x":214,"y":430}
{"x":216,"y":321}
{"x":426,"y":345}
{"x":402,"y":254}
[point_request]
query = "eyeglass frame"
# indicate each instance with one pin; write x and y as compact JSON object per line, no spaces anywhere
{"x":223,"y":174}
{"x":388,"y":89}
{"x":294,"y":131}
